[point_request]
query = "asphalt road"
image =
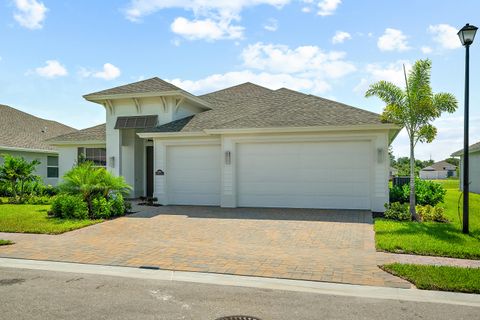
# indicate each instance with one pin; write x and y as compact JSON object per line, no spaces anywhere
{"x":32,"y":294}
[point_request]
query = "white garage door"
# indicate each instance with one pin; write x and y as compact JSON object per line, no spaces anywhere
{"x":193,"y":175}
{"x":304,"y":175}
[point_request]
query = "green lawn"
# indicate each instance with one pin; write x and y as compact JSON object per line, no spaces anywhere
{"x":438,"y":277}
{"x":437,"y":239}
{"x":5,"y":242}
{"x":34,"y":219}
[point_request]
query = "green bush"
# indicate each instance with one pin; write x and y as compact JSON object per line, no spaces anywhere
{"x":69,"y":207}
{"x":426,"y":193}
{"x":40,"y":200}
{"x":397,"y":211}
{"x":431,"y":213}
{"x":101,"y":208}
{"x":118,"y":205}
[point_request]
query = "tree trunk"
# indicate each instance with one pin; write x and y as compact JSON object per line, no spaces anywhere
{"x":413,"y":212}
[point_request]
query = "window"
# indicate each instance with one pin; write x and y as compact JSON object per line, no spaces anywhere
{"x":96,"y":155}
{"x":52,"y":166}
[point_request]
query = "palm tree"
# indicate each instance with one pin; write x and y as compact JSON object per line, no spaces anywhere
{"x":90,"y":181}
{"x":414,"y":108}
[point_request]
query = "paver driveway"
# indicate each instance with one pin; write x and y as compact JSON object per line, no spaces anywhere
{"x":320,"y":245}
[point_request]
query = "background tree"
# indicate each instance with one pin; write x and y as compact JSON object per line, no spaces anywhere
{"x":414,"y":109}
{"x":15,"y":172}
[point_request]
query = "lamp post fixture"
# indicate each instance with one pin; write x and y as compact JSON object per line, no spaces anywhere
{"x":466,"y":35}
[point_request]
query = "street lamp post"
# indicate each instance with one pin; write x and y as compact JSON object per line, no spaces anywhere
{"x":466,"y":35}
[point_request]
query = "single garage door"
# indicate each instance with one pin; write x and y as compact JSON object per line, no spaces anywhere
{"x":193,"y":175}
{"x":330,"y":175}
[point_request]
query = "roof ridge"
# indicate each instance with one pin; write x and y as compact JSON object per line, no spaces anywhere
{"x":236,"y":86}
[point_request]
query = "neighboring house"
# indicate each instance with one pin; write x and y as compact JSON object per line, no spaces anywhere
{"x":243,"y":146}
{"x":474,"y":167}
{"x":22,"y":134}
{"x":438,"y":170}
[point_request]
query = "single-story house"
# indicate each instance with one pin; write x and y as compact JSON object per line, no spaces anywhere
{"x":24,"y":135}
{"x":438,"y":170}
{"x":474,"y":167}
{"x":243,"y":146}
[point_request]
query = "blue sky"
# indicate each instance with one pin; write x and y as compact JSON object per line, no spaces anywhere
{"x":53,"y":52}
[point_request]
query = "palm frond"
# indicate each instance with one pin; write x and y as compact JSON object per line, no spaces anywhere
{"x":446,"y":102}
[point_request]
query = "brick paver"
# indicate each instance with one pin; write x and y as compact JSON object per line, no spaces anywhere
{"x":319,"y":245}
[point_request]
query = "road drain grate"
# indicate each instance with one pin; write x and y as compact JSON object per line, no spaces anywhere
{"x":238,"y":318}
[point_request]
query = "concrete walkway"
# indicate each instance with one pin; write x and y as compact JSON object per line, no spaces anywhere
{"x":428,"y":260}
{"x":316,"y":245}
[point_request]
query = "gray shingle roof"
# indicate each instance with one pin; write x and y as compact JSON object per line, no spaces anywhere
{"x":144,"y":86}
{"x":96,"y":133}
{"x":252,"y":106}
{"x":22,"y":130}
{"x":440,"y":166}
{"x":472,"y":148}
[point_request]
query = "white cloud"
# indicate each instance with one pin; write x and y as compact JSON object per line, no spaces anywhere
{"x":271,"y":25}
{"x":307,"y":60}
{"x":212,"y":20}
{"x":445,"y":35}
{"x":52,"y":69}
{"x":207,"y":29}
{"x":305,"y":68}
{"x":328,"y":7}
{"x":269,"y":80}
{"x":109,"y":72}
{"x":426,"y":49}
{"x":393,"y":40}
{"x":374,"y":72}
{"x":30,"y":13}
{"x":341,"y":36}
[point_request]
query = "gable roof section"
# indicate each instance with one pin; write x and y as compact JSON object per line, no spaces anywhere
{"x":473,"y":148}
{"x":20,"y":130}
{"x":96,"y":134}
{"x":252,"y":106}
{"x":440,"y":166}
{"x":144,"y":86}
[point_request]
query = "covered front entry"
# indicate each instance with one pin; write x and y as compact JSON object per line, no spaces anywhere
{"x":304,"y":175}
{"x":193,"y":174}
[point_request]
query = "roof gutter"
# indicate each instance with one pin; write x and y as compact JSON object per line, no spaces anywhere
{"x":27,"y":150}
{"x":77,"y":142}
{"x":270,"y":130}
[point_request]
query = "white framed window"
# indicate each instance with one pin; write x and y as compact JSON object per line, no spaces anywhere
{"x":52,"y":166}
{"x":96,"y":155}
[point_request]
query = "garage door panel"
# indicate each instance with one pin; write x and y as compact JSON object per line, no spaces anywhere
{"x":304,"y":175}
{"x":193,"y":175}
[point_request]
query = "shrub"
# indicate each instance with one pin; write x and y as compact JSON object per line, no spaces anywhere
{"x":397,"y":211}
{"x":431,"y":213}
{"x":69,"y":207}
{"x":16,"y":173}
{"x":426,"y":193}
{"x":92,"y":182}
{"x":101,"y":208}
{"x":40,"y":200}
{"x":429,"y":192}
{"x":398,"y":195}
{"x":117,"y":205}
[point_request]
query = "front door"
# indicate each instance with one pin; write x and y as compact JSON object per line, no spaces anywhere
{"x":149,"y":167}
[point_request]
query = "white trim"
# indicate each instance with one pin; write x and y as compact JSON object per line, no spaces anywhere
{"x":78,"y":143}
{"x":303,"y":129}
{"x":146,"y":135}
{"x":28,"y":150}
{"x":269,"y":130}
{"x":100,"y":98}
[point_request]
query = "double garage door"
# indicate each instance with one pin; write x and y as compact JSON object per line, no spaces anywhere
{"x":290,"y":175}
